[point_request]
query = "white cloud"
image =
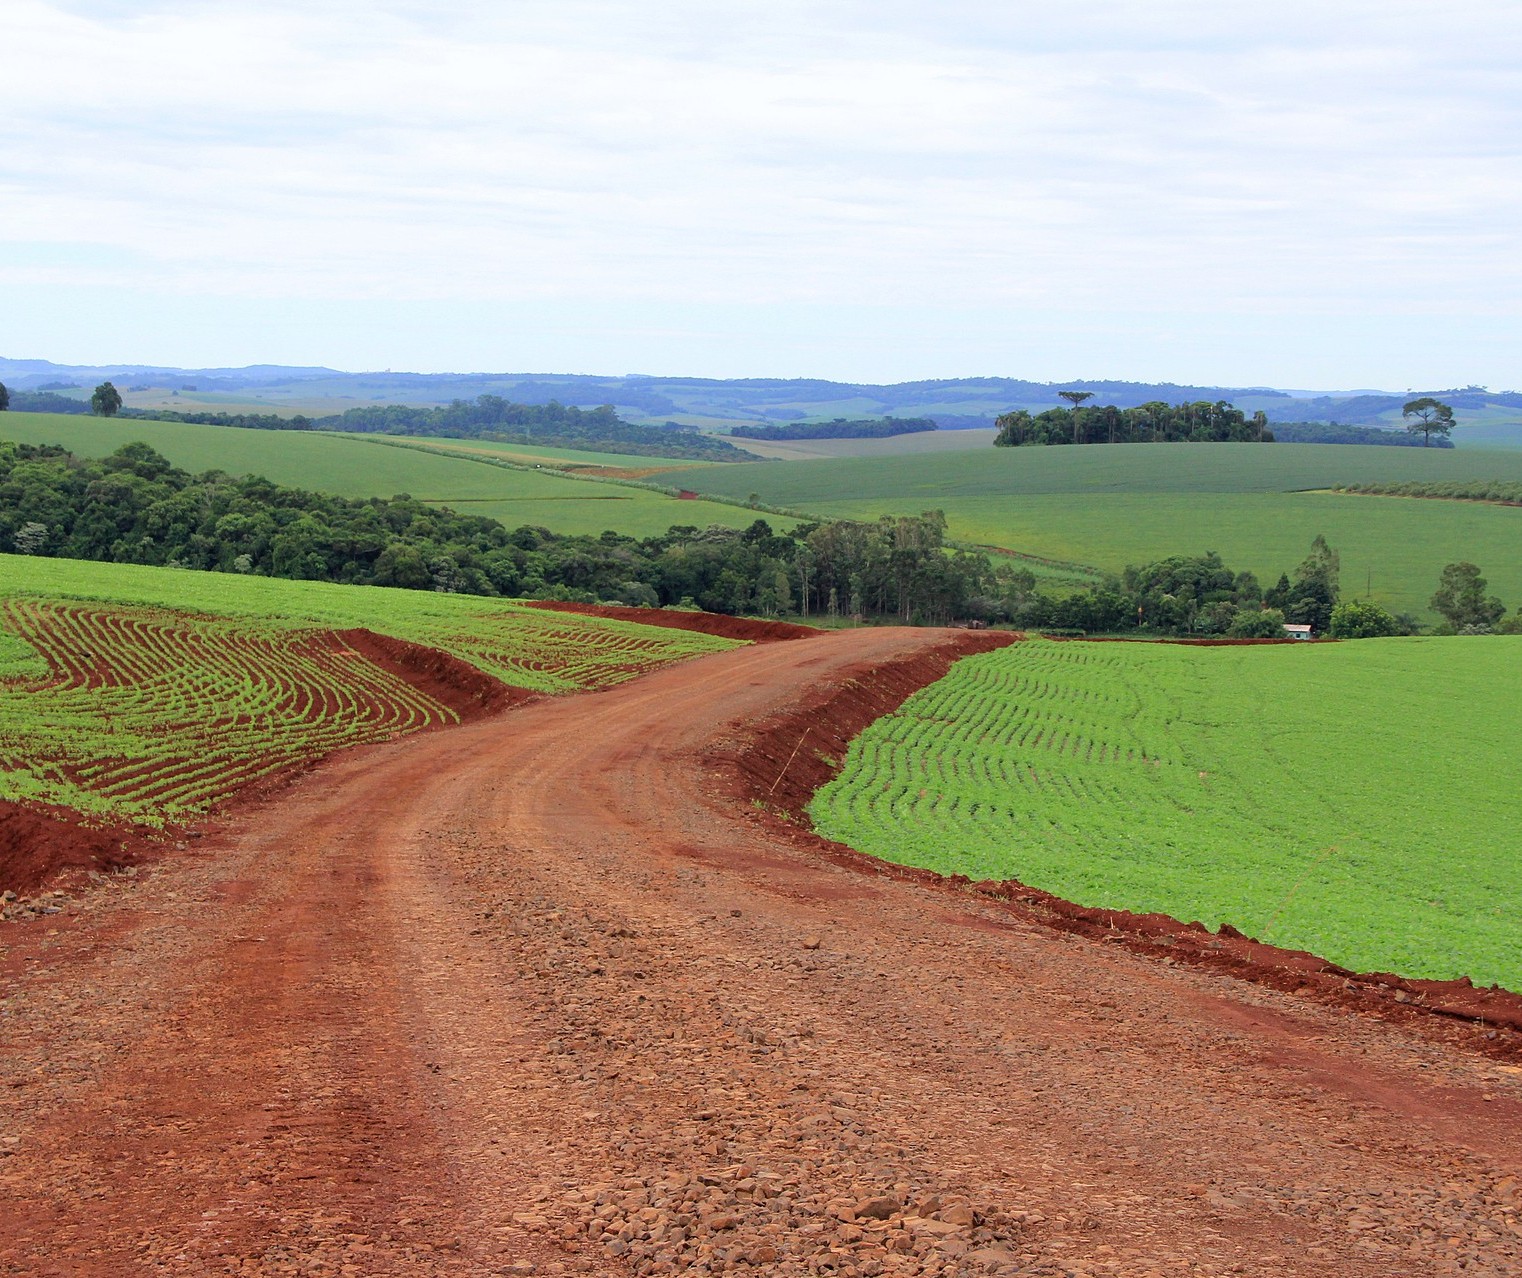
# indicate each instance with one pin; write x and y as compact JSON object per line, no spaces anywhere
{"x":1094,"y":158}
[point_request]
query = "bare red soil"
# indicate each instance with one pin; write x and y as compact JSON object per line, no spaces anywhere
{"x":708,"y":623}
{"x":37,"y":842}
{"x":538,"y":996}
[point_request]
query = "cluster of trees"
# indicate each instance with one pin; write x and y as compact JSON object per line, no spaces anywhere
{"x":105,"y":401}
{"x":552,"y":424}
{"x":840,"y":428}
{"x":1154,"y":422}
{"x":1461,"y":600}
{"x":1194,"y":595}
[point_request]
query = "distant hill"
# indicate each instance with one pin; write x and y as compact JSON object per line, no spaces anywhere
{"x":718,"y":404}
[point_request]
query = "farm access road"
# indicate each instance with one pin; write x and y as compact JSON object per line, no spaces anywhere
{"x":536,"y":995}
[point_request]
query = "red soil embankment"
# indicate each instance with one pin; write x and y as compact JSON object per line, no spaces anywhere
{"x":457,"y":684}
{"x":787,"y":758}
{"x":37,"y":842}
{"x":707,"y":623}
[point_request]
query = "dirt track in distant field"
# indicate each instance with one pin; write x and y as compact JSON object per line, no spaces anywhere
{"x":536,"y":995}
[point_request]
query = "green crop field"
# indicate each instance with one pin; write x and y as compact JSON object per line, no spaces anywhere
{"x":562,"y":458}
{"x":151,"y":694}
{"x":936,"y":441}
{"x":1258,"y":505}
{"x":1356,"y":800}
{"x":358,"y":466}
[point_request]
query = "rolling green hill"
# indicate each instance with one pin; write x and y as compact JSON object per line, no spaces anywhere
{"x":1110,"y":506}
{"x":351,"y":466}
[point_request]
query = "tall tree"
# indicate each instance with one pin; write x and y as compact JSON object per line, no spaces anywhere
{"x":1075,"y":398}
{"x":1427,"y":417}
{"x":106,"y":400}
{"x":1313,"y":594}
{"x":5,"y":398}
{"x":1462,"y":600}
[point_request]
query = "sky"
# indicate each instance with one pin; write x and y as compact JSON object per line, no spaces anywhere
{"x":1318,"y":195}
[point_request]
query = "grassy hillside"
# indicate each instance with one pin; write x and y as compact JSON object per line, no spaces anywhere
{"x":1292,"y":792}
{"x":356,"y":467}
{"x":1109,"y":506}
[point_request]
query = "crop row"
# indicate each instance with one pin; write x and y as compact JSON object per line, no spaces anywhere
{"x":1287,"y":791}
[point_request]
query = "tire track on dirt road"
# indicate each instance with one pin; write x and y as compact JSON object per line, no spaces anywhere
{"x":532,"y":996}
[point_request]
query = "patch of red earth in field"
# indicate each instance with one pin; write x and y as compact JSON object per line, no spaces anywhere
{"x":707,"y":623}
{"x":784,"y":760}
{"x":36,"y":843}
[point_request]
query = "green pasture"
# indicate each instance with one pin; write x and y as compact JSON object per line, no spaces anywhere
{"x":1258,"y":505}
{"x":356,"y":466}
{"x":1356,"y":800}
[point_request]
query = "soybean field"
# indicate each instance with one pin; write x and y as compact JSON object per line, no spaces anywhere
{"x":153,"y":694}
{"x":1356,"y":800}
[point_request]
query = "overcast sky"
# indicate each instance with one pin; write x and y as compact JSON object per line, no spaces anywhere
{"x":1298,"y":194}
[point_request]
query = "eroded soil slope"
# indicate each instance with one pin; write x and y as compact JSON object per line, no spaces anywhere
{"x":535,"y":995}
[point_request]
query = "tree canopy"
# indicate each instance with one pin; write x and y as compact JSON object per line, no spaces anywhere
{"x":1155,"y":422}
{"x":1462,"y":601}
{"x":1428,"y":417}
{"x":840,"y":428}
{"x":105,"y":400}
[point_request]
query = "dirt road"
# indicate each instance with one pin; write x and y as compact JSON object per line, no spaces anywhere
{"x":533,"y":996}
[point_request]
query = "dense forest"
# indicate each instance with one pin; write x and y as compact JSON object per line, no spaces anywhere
{"x":552,"y":424}
{"x":134,"y":507}
{"x":840,"y":428}
{"x":1203,"y":421}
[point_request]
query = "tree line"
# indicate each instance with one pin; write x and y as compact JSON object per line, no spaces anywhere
{"x":840,"y":428}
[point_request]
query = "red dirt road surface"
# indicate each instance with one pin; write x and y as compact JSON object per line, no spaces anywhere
{"x":537,"y":995}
